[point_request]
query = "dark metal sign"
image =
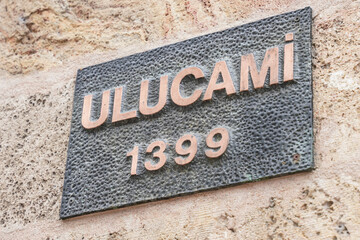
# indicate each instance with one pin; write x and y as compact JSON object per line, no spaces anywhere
{"x":221,"y":109}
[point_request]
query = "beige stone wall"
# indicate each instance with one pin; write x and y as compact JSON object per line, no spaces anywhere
{"x":44,"y":42}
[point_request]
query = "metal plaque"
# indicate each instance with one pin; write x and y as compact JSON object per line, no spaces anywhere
{"x":221,"y":109}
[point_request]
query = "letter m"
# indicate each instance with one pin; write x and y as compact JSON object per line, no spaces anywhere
{"x":271,"y":60}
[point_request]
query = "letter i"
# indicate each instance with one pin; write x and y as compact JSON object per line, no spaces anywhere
{"x":289,"y":58}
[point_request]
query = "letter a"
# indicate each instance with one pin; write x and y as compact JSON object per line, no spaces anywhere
{"x":227,"y":84}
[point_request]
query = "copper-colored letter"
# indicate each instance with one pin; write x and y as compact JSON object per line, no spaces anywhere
{"x":144,"y":89}
{"x":271,"y":60}
{"x":86,"y":114}
{"x":222,"y":144}
{"x":220,"y":67}
{"x":135,"y":156}
{"x":289,"y":37}
{"x":117,"y":114}
{"x":191,"y":150}
{"x":289,"y":58}
{"x":159,"y":154}
{"x":175,"y":87}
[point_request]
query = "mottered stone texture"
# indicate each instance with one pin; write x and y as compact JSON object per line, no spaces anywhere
{"x":44,"y":43}
{"x":268,"y":127}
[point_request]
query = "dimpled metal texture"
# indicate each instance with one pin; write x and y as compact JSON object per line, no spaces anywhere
{"x":270,"y":128}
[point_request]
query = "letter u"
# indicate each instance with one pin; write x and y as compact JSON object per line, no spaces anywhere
{"x":86,"y":114}
{"x":144,"y":90}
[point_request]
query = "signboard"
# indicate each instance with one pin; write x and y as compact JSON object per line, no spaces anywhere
{"x":225,"y":108}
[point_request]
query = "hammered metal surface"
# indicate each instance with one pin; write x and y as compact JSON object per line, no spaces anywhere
{"x":270,"y":128}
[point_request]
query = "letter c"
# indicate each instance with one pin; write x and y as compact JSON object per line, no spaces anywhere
{"x":175,"y":87}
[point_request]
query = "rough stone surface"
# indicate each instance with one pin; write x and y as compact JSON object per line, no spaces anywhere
{"x":323,"y":204}
{"x":267,"y":126}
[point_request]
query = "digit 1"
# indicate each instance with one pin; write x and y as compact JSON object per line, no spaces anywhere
{"x":135,"y":156}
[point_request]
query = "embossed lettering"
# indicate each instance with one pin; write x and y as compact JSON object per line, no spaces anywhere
{"x":117,"y":114}
{"x":227,"y":84}
{"x":86,"y":114}
{"x":289,"y":58}
{"x":271,"y":61}
{"x":144,"y":89}
{"x":175,"y":87}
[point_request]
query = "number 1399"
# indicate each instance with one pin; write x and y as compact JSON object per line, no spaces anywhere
{"x":217,"y":148}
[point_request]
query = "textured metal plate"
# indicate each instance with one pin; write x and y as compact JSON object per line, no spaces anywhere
{"x":270,"y":128}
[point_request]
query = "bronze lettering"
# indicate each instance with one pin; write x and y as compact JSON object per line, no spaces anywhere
{"x":227,"y":84}
{"x":159,"y":154}
{"x":175,"y":87}
{"x":135,"y":156}
{"x":190,"y":151}
{"x":117,"y":114}
{"x":144,"y":89}
{"x":289,"y":37}
{"x":270,"y":64}
{"x":289,"y":58}
{"x":271,"y":60}
{"x":218,"y":147}
{"x":86,"y":114}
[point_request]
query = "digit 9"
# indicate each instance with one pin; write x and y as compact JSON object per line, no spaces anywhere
{"x":191,"y":150}
{"x":222,"y":144}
